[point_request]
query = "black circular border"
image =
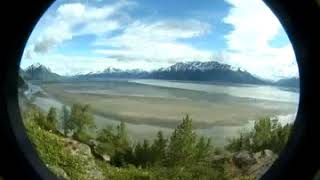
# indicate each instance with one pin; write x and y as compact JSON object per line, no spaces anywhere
{"x":300,"y":158}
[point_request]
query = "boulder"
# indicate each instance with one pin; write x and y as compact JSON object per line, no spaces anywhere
{"x":93,"y":172}
{"x":243,"y":159}
{"x":59,"y":172}
{"x":264,"y":160}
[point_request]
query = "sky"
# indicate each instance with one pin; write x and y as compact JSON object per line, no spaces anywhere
{"x":82,"y":36}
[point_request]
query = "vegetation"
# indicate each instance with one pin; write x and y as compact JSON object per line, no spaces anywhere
{"x":184,"y":155}
{"x":266,"y":134}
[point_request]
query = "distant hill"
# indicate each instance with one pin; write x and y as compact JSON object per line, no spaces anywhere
{"x":39,"y":72}
{"x":188,"y":71}
{"x":289,"y":82}
{"x":115,"y":73}
{"x":191,"y":71}
{"x":205,"y":71}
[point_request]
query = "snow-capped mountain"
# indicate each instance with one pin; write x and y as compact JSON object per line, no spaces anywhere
{"x":196,"y":66}
{"x":204,"y":71}
{"x":189,"y":71}
{"x":39,"y":72}
{"x":111,"y":72}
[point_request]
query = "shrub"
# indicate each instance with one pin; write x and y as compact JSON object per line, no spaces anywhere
{"x":266,"y":134}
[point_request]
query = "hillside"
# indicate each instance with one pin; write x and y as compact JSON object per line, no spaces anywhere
{"x":289,"y":82}
{"x":187,"y":71}
{"x":191,"y":71}
{"x":39,"y":72}
{"x":205,"y":71}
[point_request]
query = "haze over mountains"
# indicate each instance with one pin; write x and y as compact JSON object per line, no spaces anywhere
{"x":188,"y":71}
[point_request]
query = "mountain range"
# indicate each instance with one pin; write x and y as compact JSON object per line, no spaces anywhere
{"x":188,"y":71}
{"x":39,"y":72}
{"x":289,"y":82}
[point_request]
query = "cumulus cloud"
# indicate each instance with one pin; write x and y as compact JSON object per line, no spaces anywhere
{"x":156,"y":42}
{"x":150,"y":43}
{"x":74,"y":64}
{"x":75,"y":19}
{"x":249,"y":43}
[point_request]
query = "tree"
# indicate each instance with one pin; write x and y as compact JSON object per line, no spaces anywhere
{"x":159,"y":148}
{"x":108,"y":141}
{"x":203,"y":149}
{"x":122,"y":137}
{"x":143,"y":154}
{"x":39,"y":117}
{"x":267,"y":134}
{"x":65,"y":118}
{"x":80,"y":121}
{"x":106,"y":135}
{"x":52,"y":120}
{"x":182,"y":144}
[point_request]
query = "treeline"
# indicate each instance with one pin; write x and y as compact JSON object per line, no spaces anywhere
{"x":182,"y":155}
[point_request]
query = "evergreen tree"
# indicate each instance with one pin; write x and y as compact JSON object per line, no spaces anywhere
{"x":80,"y":121}
{"x":203,"y":149}
{"x":266,"y":134}
{"x":40,"y":118}
{"x":66,"y":123}
{"x":159,"y":148}
{"x":52,"y":120}
{"x":122,"y":137}
{"x":143,"y":154}
{"x":181,"y":148}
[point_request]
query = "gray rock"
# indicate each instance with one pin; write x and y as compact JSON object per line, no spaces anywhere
{"x":243,"y":159}
{"x":264,"y":160}
{"x":59,"y":172}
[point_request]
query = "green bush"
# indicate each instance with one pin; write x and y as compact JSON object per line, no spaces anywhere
{"x":51,"y":151}
{"x":266,"y":134}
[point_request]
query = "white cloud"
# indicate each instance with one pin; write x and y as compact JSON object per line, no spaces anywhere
{"x":71,"y":20}
{"x":156,"y":42}
{"x":249,"y":43}
{"x":73,"y":64}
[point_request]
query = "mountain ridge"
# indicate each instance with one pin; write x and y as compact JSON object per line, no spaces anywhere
{"x":190,"y":71}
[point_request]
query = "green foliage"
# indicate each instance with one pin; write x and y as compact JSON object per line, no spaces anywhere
{"x":123,"y":157}
{"x":112,"y":140}
{"x":48,"y":122}
{"x":65,"y":118}
{"x":126,"y":173}
{"x":143,"y":154}
{"x":203,"y":149}
{"x":266,"y":134}
{"x":183,"y":156}
{"x":158,"y":149}
{"x":81,"y":120}
{"x":51,"y":151}
{"x":122,"y":137}
{"x":182,"y":144}
{"x":52,"y":120}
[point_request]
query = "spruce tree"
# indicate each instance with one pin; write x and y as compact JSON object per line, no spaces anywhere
{"x":159,"y":148}
{"x":52,"y":120}
{"x":181,"y":148}
{"x":65,"y":118}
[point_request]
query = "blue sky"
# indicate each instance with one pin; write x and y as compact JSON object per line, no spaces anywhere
{"x":81,"y":36}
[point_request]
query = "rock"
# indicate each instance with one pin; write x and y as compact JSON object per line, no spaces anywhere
{"x":59,"y":172}
{"x":76,"y":147}
{"x":243,"y":159}
{"x":93,"y":172}
{"x":264,"y":160}
{"x":106,"y":158}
